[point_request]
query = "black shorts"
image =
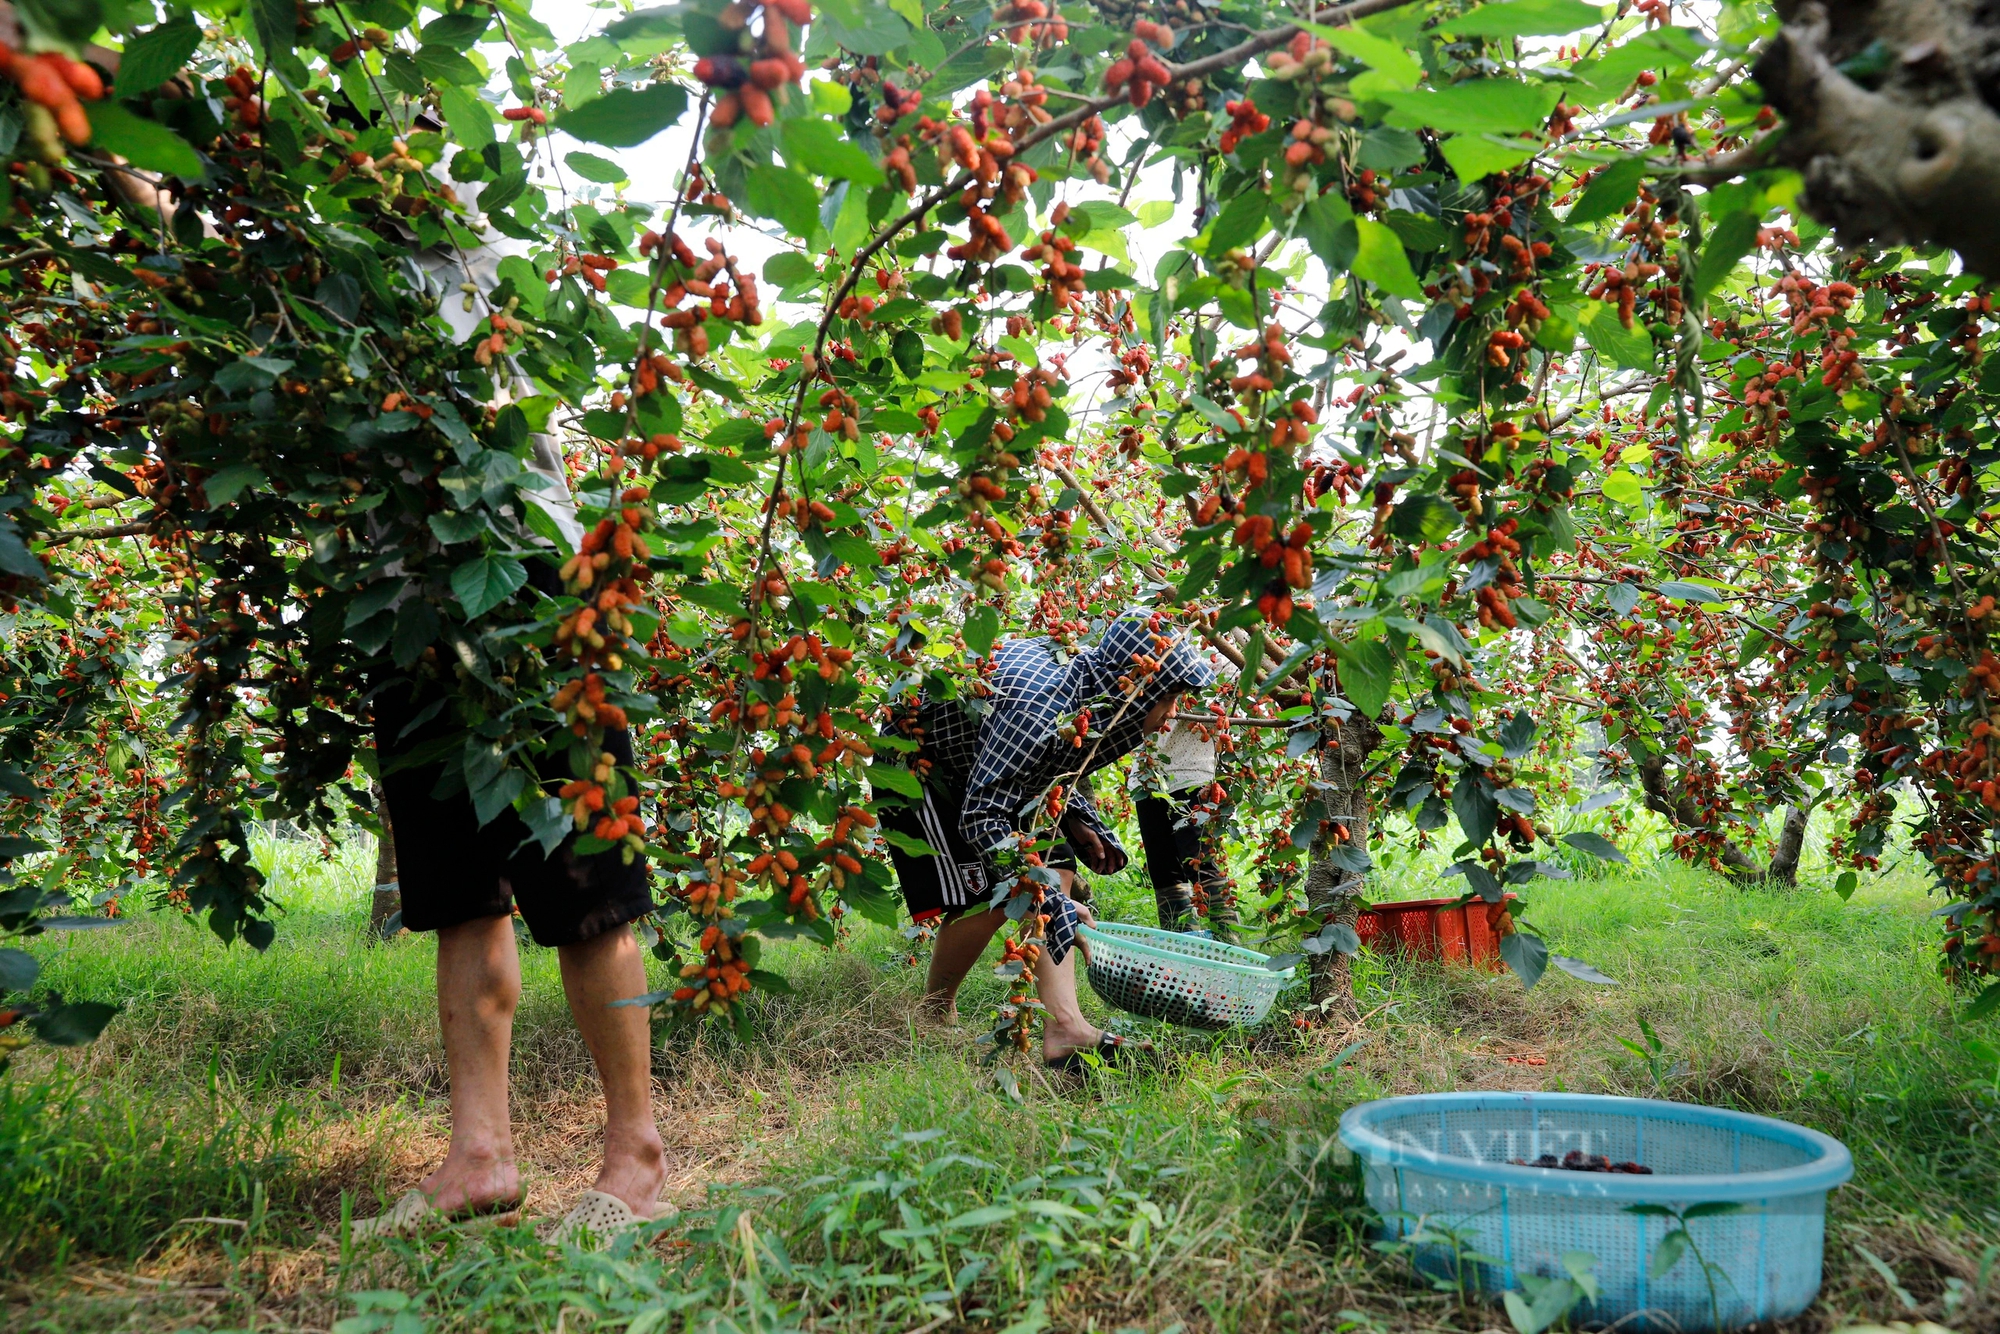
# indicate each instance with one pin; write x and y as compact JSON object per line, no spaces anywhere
{"x":452,"y":870}
{"x":956,"y":882}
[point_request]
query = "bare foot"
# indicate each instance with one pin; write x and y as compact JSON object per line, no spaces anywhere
{"x":635,"y":1169}
{"x":939,"y":1011}
{"x":1058,"y":1043}
{"x":471,"y":1182}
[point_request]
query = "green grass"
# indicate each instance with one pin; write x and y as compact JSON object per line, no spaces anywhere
{"x":847,"y":1169}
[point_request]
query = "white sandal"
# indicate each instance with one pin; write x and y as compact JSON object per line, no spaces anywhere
{"x":414,"y":1214}
{"x":593,"y":1222}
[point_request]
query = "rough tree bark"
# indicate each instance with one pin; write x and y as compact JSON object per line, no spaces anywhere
{"x":1903,"y":144}
{"x":1332,"y":894}
{"x":388,"y":899}
{"x":1783,"y":868}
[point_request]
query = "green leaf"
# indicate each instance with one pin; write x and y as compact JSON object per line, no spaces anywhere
{"x":982,"y":1217}
{"x":1423,"y":518}
{"x":594,"y":168}
{"x":486,"y":581}
{"x":1597,"y":845}
{"x":444,"y":66}
{"x":1525,"y":18}
{"x":1380,"y":54}
{"x":18,"y":970}
{"x":276,"y":25}
{"x":153,"y":57}
{"x":16,"y":559}
{"x":1667,"y":1254}
{"x":65,"y":23}
{"x":467,"y":116}
{"x":1711,"y":1209}
{"x":1477,"y":106}
{"x":1329,"y":227}
{"x":1239,"y":223}
{"x":459,"y":30}
{"x":372,"y":600}
{"x":868,"y":29}
{"x":907,"y":347}
{"x":789,"y":267}
{"x":1684,"y":592}
{"x":1984,"y":1004}
{"x":1582,"y":971}
{"x":625,"y":117}
{"x":916,"y":847}
{"x":144,"y":143}
{"x":785,"y":196}
{"x":228,"y":482}
{"x":1527,"y":955}
{"x":892,"y":778}
{"x":1625,"y":488}
{"x":73,"y":1025}
{"x":981,"y":629}
{"x":1846,"y":885}
{"x":246,"y":375}
{"x":1606,"y":333}
{"x":1367,"y":674}
{"x":1379,"y":258}
{"x":416,"y":628}
{"x":816,"y":147}
{"x":1733,"y":238}
{"x":1476,"y":156}
{"x":1610,"y":190}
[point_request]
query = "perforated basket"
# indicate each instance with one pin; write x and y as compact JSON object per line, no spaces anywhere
{"x":1183,"y":979}
{"x":1445,"y":1170}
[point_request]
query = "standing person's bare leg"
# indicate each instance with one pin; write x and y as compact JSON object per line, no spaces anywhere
{"x":957,"y":948}
{"x":1064,"y":1029}
{"x":479,"y":984}
{"x":603,"y":969}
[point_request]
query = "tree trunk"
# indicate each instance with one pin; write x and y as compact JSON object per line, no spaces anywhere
{"x":1738,"y":865}
{"x":388,"y":900}
{"x":1791,"y":842}
{"x":1903,"y":146}
{"x":1333,"y":894}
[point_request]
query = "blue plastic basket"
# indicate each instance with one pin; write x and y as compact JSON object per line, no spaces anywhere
{"x":1179,"y":976}
{"x":1439,"y":1168}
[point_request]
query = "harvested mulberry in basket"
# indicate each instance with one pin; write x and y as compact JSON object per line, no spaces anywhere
{"x":1578,"y":1161}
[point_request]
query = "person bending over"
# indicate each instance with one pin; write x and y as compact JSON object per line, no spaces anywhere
{"x":1049,"y":723}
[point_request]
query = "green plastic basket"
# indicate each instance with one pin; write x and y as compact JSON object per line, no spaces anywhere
{"x":1183,"y":979}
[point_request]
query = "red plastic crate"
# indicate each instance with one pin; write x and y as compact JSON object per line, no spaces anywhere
{"x":1435,"y":929}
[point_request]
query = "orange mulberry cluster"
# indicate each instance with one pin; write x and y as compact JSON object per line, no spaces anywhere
{"x":1308,"y":145}
{"x":840,"y":854}
{"x":495,"y":343}
{"x":1366,"y":194}
{"x":591,"y":268}
{"x":1301,"y":58}
{"x":243,"y":102}
{"x":1499,"y":545}
{"x":1032,"y":21}
{"x":1812,"y":306}
{"x":1086,"y":141}
{"x":1062,"y":276}
{"x":1139,"y":72}
{"x":1271,"y":355}
{"x":1622,"y":286}
{"x":1244,"y":120}
{"x":750,"y":76}
{"x":56,"y":84}
{"x":714,"y":984}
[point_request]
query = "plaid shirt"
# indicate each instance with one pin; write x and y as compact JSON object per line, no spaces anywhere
{"x":1007,"y":762}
